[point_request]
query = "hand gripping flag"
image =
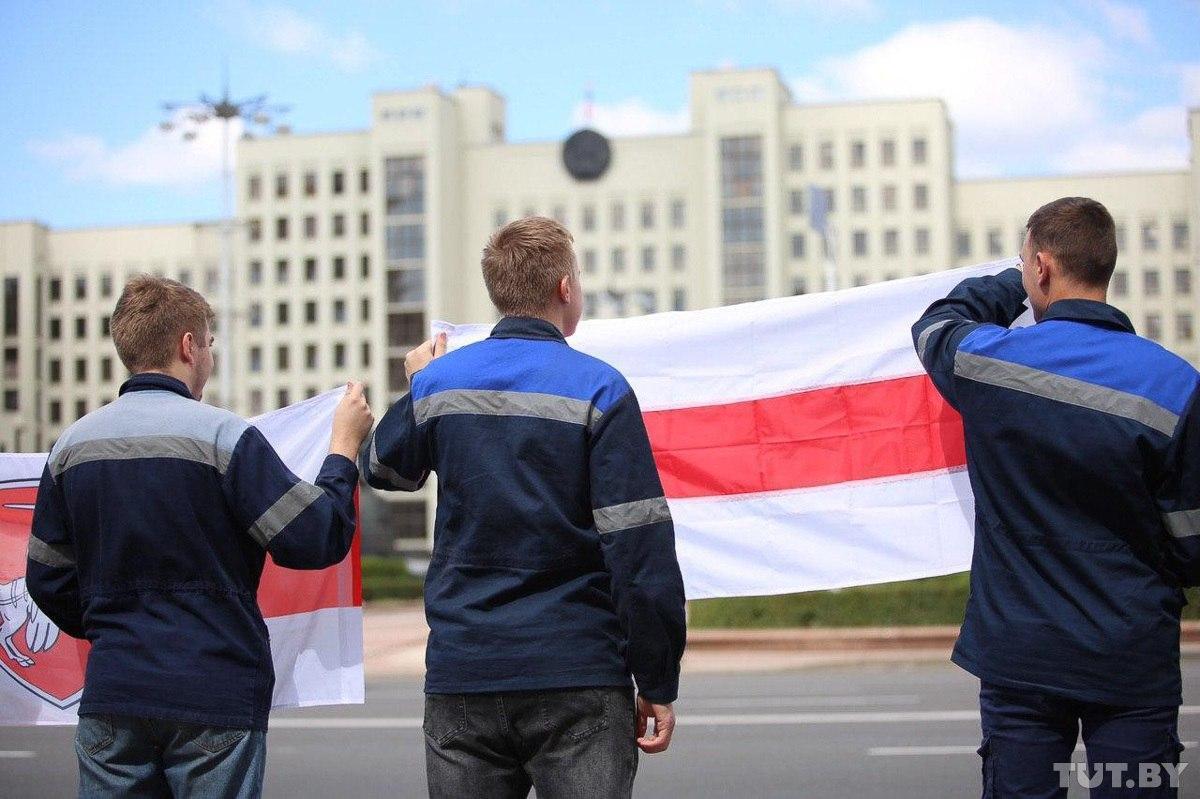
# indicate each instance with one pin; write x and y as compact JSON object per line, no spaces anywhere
{"x":799,"y":441}
{"x":314,"y":617}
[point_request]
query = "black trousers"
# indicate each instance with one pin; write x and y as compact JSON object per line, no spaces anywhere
{"x":1029,"y":737}
{"x":572,"y":743}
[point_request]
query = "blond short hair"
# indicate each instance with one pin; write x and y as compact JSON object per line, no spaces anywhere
{"x":524,"y":262}
{"x":152,"y":314}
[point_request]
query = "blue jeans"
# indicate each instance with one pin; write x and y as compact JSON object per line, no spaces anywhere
{"x":127,"y":756}
{"x":1028,"y":739}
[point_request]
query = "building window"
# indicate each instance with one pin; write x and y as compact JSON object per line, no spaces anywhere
{"x":499,"y":218}
{"x":796,"y":202}
{"x":859,"y":243}
{"x":678,"y":257}
{"x":339,"y":225}
{"x":254,"y":314}
{"x":826,"y":155}
{"x":281,"y":228}
{"x":364,"y":266}
{"x":364,"y":224}
{"x":858,"y":199}
{"x":106,"y":286}
{"x":310,"y":270}
{"x":339,"y":267}
{"x":254,"y":229}
{"x":54,"y":370}
{"x":405,"y":185}
{"x":647,"y":301}
{"x":80,"y":409}
{"x":185,"y":277}
{"x":798,"y":245}
{"x":281,"y":271}
{"x":310,"y":312}
{"x":310,"y":184}
{"x":310,"y":227}
{"x":921,"y":241}
{"x":919,"y":151}
{"x":281,"y":185}
{"x":339,"y":182}
{"x":1120,"y":237}
{"x":589,"y":261}
{"x":1149,"y":236}
{"x":1183,"y":326}
{"x":81,"y":288}
{"x":406,"y":328}
{"x":339,"y":311}
{"x":559,"y":213}
{"x":281,"y":313}
{"x":256,"y":359}
{"x":887,"y":152}
{"x":647,"y":259}
{"x":310,"y":356}
{"x":365,"y":354}
{"x":962,"y":244}
{"x":282,"y":358}
{"x":1154,"y":326}
{"x":254,"y":187}
{"x":891,"y":242}
{"x":405,"y":242}
{"x":364,"y":181}
{"x":679,"y":300}
{"x":1120,"y":284}
{"x":589,"y":217}
{"x":12,"y":306}
{"x":12,"y":400}
{"x":53,"y":329}
{"x":1179,"y":236}
{"x":405,"y":285}
{"x":858,"y":154}
{"x":618,"y":259}
{"x":255,"y":273}
{"x":55,"y":412}
{"x":678,"y":214}
{"x":339,"y":356}
{"x":796,"y":157}
{"x":364,"y":310}
{"x":1150,"y":283}
{"x":54,"y":290}
{"x":81,"y":370}
{"x":647,"y":216}
{"x":920,"y":196}
{"x":1183,"y":282}
{"x":106,"y":369}
{"x":80,"y":327}
{"x":889,"y":197}
{"x":283,"y":398}
{"x":11,"y":363}
{"x":995,"y":243}
{"x":617,"y":216}
{"x":743,"y":256}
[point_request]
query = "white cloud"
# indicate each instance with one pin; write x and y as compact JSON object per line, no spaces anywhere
{"x":631,"y":117}
{"x":154,"y":158}
{"x":1152,"y":140}
{"x":284,"y":30}
{"x":861,"y":9}
{"x":1190,"y":84}
{"x":1126,"y":21}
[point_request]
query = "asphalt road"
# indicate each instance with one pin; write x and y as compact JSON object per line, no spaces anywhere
{"x":869,"y":731}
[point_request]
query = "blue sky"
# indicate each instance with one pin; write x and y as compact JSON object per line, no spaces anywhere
{"x":1033,"y":87}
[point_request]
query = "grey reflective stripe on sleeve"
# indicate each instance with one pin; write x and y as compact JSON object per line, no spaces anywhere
{"x":53,"y":555}
{"x":119,"y":449}
{"x":923,"y":339}
{"x":294,"y":502}
{"x":506,"y":403}
{"x":631,"y":514}
{"x":1045,"y":384}
{"x":1183,"y":523}
{"x":386,"y":473}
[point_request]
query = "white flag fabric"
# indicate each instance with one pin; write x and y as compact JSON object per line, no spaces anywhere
{"x":314,"y":617}
{"x":800,"y":443}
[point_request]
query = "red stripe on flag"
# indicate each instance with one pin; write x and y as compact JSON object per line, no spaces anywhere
{"x":811,"y":438}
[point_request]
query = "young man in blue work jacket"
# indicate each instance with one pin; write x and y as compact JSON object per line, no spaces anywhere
{"x":1083,"y":449}
{"x":553,"y":576}
{"x":153,"y":519}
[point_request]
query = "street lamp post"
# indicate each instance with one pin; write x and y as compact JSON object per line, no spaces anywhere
{"x":256,"y":116}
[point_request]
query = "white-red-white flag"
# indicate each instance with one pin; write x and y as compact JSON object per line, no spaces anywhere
{"x":314,"y":617}
{"x":800,"y":443}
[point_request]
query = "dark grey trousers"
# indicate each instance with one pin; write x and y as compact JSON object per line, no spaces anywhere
{"x":575,"y":743}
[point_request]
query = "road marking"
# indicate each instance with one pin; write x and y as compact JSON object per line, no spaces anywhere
{"x":922,"y":751}
{"x":685,"y":719}
{"x":16,"y":754}
{"x":802,"y":701}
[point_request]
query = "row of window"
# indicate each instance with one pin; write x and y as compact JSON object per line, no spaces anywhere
{"x":1152,"y":283}
{"x":648,"y":213}
{"x":309,"y":227}
{"x":283,"y":312}
{"x":311,"y":359}
{"x":858,"y":154}
{"x":648,"y":259}
{"x":1184,"y":327}
{"x":310,"y":269}
{"x":1149,"y":239}
{"x":54,"y":327}
{"x":54,"y":370}
{"x":309,"y":184}
{"x":612,"y":303}
{"x":889,"y":199}
{"x":860,"y":243}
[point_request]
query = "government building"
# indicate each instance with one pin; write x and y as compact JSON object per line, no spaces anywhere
{"x":348,"y":244}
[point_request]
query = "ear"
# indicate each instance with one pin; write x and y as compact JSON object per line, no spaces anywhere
{"x":1045,"y":265}
{"x":564,"y":289}
{"x":187,"y":348}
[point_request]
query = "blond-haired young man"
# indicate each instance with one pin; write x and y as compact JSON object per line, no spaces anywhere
{"x":153,"y":520}
{"x":554,"y":576}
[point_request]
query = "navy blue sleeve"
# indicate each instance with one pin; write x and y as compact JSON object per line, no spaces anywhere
{"x":637,"y":538}
{"x":51,"y":576}
{"x":1179,"y":497}
{"x":991,"y":299}
{"x":396,"y":458}
{"x":303,"y":525}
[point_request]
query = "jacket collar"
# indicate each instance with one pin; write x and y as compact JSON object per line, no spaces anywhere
{"x":155,"y":381}
{"x":527,"y":327}
{"x":1089,"y":311}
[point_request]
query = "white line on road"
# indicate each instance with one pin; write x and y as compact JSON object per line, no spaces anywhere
{"x":733,"y":702}
{"x":922,"y":751}
{"x":698,"y":720}
{"x":16,"y":754}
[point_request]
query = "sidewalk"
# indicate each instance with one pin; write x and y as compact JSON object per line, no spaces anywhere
{"x":394,"y":636}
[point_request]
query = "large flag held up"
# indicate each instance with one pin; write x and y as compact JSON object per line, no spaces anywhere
{"x":314,"y":617}
{"x":800,"y":443}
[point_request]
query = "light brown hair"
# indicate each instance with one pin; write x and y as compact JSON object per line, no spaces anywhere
{"x":524,"y":262}
{"x":1079,"y":232}
{"x":152,"y":314}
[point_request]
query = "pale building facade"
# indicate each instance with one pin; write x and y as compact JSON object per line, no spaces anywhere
{"x":347,"y":245}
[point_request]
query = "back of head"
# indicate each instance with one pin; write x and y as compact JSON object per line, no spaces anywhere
{"x":524,"y":262}
{"x":1081,"y":236}
{"x":151,"y":316}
